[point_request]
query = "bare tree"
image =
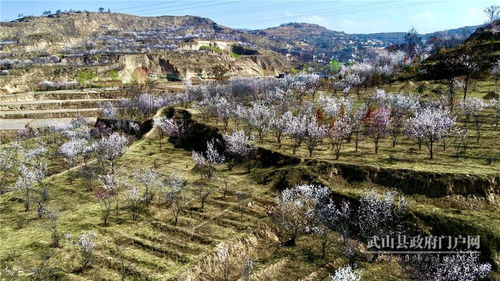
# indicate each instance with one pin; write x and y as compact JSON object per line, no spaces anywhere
{"x":202,"y":191}
{"x":178,"y":204}
{"x":492,"y":12}
{"x":55,"y":235}
{"x":225,"y":263}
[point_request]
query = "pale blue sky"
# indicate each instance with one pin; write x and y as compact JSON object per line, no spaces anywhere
{"x":352,"y":16}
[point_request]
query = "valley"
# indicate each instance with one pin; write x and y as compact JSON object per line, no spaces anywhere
{"x":176,"y":148}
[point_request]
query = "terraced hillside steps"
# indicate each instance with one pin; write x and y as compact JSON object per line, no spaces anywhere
{"x":15,"y":124}
{"x":283,"y":171}
{"x":432,"y":184}
{"x":61,"y":95}
{"x":41,"y":109}
{"x":48,"y":113}
{"x":50,"y":104}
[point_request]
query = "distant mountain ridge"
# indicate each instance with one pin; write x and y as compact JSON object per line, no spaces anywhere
{"x":304,"y":42}
{"x":312,"y":41}
{"x":57,"y":47}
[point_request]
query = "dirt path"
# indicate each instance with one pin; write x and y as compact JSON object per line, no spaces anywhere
{"x":16,"y":124}
{"x":27,"y":96}
{"x":13,"y":103}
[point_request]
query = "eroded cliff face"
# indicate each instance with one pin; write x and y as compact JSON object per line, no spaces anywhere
{"x":195,"y":65}
{"x":185,"y":64}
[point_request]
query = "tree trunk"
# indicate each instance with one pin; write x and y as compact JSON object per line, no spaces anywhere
{"x":27,"y":201}
{"x":356,"y":141}
{"x":291,"y":242}
{"x":324,"y":245}
{"x":161,"y":137}
{"x":451,"y":93}
{"x":176,"y":217}
{"x":278,"y":139}
{"x":466,"y":85}
{"x":431,"y":152}
{"x":105,"y":217}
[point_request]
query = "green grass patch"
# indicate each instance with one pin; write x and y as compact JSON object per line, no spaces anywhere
{"x":217,"y":49}
{"x":235,"y":55}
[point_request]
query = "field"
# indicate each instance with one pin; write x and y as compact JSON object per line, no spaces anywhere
{"x":177,"y":148}
{"x":480,"y":159}
{"x":236,"y":214}
{"x":152,"y":248}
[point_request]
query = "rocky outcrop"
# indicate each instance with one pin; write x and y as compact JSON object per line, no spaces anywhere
{"x":185,"y":64}
{"x":60,"y":47}
{"x":133,"y":128}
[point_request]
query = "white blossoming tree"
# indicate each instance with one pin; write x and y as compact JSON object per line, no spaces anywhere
{"x":112,"y":147}
{"x":238,"y":147}
{"x":294,"y":213}
{"x":345,"y":274}
{"x":206,"y":161}
{"x":430,"y":125}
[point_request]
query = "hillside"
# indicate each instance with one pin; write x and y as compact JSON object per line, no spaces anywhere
{"x":156,"y":246}
{"x":310,"y":42}
{"x":488,"y":32}
{"x":60,"y":47}
{"x":172,"y":148}
{"x":474,"y":57}
{"x":88,"y":23}
{"x":307,"y":41}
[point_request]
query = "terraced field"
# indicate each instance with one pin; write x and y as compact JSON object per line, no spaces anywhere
{"x":40,"y":109}
{"x":154,"y":247}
